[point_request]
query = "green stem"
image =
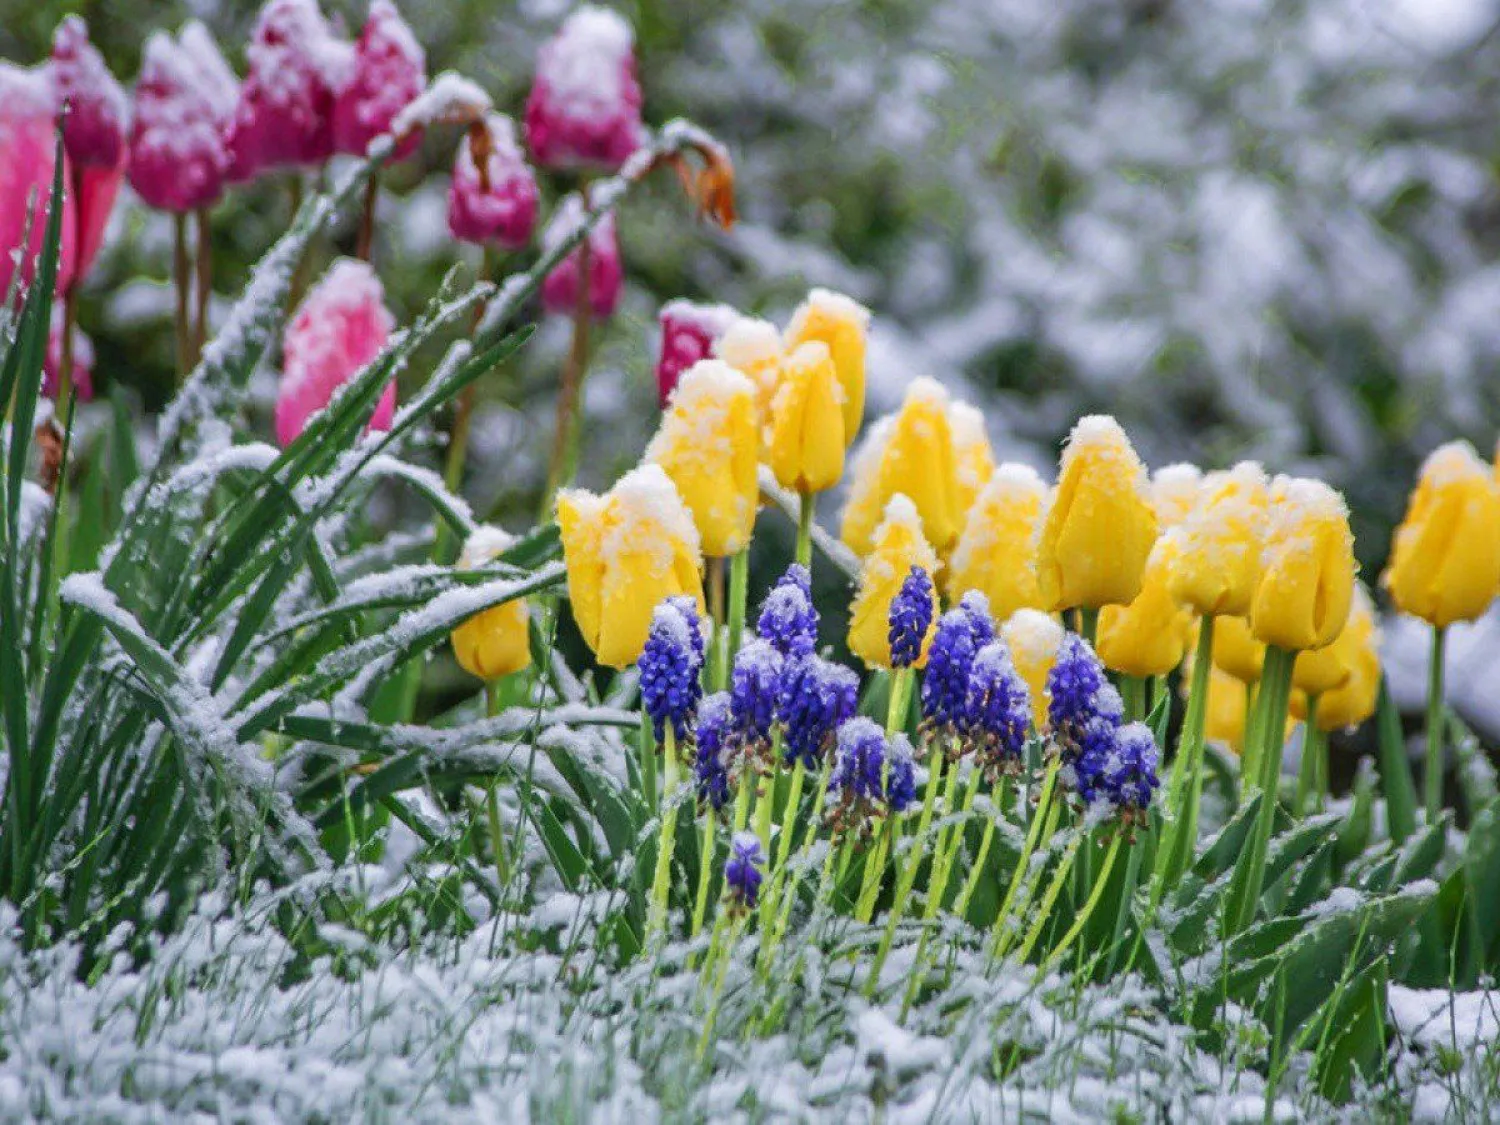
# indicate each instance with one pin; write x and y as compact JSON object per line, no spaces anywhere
{"x":1044,"y":810}
{"x":950,"y":838}
{"x":1122,"y":910}
{"x":718,"y":992}
{"x":1185,"y":790}
{"x":565,"y":428}
{"x":739,"y":583}
{"x":1054,"y":888}
{"x":1271,"y":703}
{"x":1433,"y":775}
{"x":804,"y":529}
{"x":986,"y":841}
{"x":1307,"y":769}
{"x":661,"y":884}
{"x":719,"y":662}
{"x":705,"y":870}
{"x":1088,"y":623}
{"x":182,"y":280}
{"x":492,"y":797}
{"x":1088,"y":907}
{"x":648,"y":762}
{"x":1133,"y":695}
{"x":908,"y":876}
{"x":769,"y":900}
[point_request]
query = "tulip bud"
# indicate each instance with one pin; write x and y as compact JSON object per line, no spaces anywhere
{"x":1222,"y":538}
{"x":709,"y":445}
{"x":1445,"y":559}
{"x":1034,"y":638}
{"x":341,"y":326}
{"x":805,"y":434}
{"x":1174,"y":491}
{"x":996,"y":553}
{"x":606,"y":275}
{"x":1358,"y":650}
{"x":898,"y":547}
{"x":184,"y":99}
{"x":1150,"y":636}
{"x":1101,"y":527}
{"x":973,"y":459}
{"x":688,"y":333}
{"x":94,"y":132}
{"x":910,"y":453}
{"x":494,"y":642}
{"x":1236,"y":651}
{"x":28,"y":142}
{"x":626,"y":552}
{"x":1307,"y":574}
{"x":498,"y":205}
{"x":842,"y":324}
{"x":83,"y":360}
{"x":388,"y":73}
{"x":753,"y":347}
{"x":585,"y":105}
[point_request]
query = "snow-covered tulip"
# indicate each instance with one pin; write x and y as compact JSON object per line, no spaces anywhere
{"x":494,"y":642}
{"x":492,"y":199}
{"x":1150,"y":636}
{"x":1445,"y":558}
{"x":94,"y":134}
{"x":340,"y":327}
{"x":1307,"y":578}
{"x":83,"y":360}
{"x":28,"y":141}
{"x":1221,"y":540}
{"x":284,"y":117}
{"x":1174,"y":491}
{"x":843,"y":324}
{"x":996,"y":552}
{"x":805,"y":436}
{"x":1236,"y":652}
{"x":1101,"y":525}
{"x":1358,"y":648}
{"x":973,"y":459}
{"x":626,"y":552}
{"x":184,"y":99}
{"x":898,"y":546}
{"x":910,"y":452}
{"x":688,"y":334}
{"x":709,"y":445}
{"x":585,"y":104}
{"x":388,"y":72}
{"x":1033,"y":638}
{"x":606,"y":274}
{"x":753,"y":346}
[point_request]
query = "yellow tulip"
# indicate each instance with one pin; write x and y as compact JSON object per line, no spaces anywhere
{"x":1307,"y":574}
{"x":1033,"y":638}
{"x":1225,"y":718}
{"x":626,"y":552}
{"x":1101,"y":526}
{"x":1222,"y":538}
{"x":1174,"y":490}
{"x":494,"y":642}
{"x":805,"y":432}
{"x":899,"y":546}
{"x":1236,"y":651}
{"x":753,"y":348}
{"x":910,"y":453}
{"x":1445,"y":560}
{"x":1354,"y":700}
{"x":709,"y":445}
{"x":842,"y":324}
{"x":996,"y":553}
{"x":973,"y":459}
{"x":1149,"y":636}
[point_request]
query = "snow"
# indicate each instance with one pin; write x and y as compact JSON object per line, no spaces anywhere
{"x":448,"y":97}
{"x":485,"y":544}
{"x":648,"y":514}
{"x":585,"y":65}
{"x":1033,"y":636}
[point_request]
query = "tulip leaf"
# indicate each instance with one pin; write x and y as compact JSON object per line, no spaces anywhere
{"x":1395,"y":770}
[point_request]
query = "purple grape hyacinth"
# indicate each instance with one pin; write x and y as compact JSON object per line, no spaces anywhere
{"x":961,"y":633}
{"x":814,"y":697}
{"x":787,"y":617}
{"x":742,"y":874}
{"x":710,"y":762}
{"x":671,"y":664}
{"x":872,"y":775}
{"x":752,"y":691}
{"x":997,"y":710}
{"x":910,"y":618}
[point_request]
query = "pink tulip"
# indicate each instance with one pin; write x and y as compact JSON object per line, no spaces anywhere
{"x":585,"y":105}
{"x":503,"y":209}
{"x":28,"y":110}
{"x":688,"y":334}
{"x":83,"y":360}
{"x":93,"y":134}
{"x":606,"y":275}
{"x":184,"y":99}
{"x":341,"y":326}
{"x":389,"y":71}
{"x":285,"y":113}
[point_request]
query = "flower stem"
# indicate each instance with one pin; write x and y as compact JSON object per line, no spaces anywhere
{"x":935,"y":762}
{"x":204,"y":279}
{"x":768,"y":901}
{"x":705,"y":871}
{"x":1270,"y":722}
{"x":366,"y":234}
{"x":718,"y":991}
{"x":1185,"y":789}
{"x":182,"y":280}
{"x":809,"y":501}
{"x":971,"y":884}
{"x":1307,"y":769}
{"x":564,"y":437}
{"x":739,"y":584}
{"x":1049,"y":899}
{"x":1095,"y":895}
{"x":1432,"y":778}
{"x":1088,"y":623}
{"x":492,"y":797}
{"x":1044,"y":812}
{"x":661,"y":883}
{"x":1133,"y":695}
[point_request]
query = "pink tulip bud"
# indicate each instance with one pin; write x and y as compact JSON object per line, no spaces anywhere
{"x":688,"y":334}
{"x":606,"y":275}
{"x":585,"y":105}
{"x":500,"y":205}
{"x":83,"y":360}
{"x":184,"y":98}
{"x":341,"y":326}
{"x":389,"y":71}
{"x":28,"y":109}
{"x":94,"y":132}
{"x":285,"y":113}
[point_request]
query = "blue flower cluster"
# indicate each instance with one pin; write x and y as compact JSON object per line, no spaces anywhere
{"x":1078,"y":690}
{"x":742,"y":874}
{"x":814,"y":697}
{"x":910,"y":618}
{"x":787,"y":617}
{"x":711,"y":761}
{"x":753,"y":687}
{"x":871,"y":774}
{"x":961,"y":633}
{"x":671,"y":664}
{"x":997,"y":710}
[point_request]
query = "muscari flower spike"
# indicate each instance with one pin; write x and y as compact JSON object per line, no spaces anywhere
{"x":787,"y":617}
{"x":1078,"y":690}
{"x":1117,"y":766}
{"x":710,"y":761}
{"x":752,"y":691}
{"x":670,"y":664}
{"x":910,"y":617}
{"x":961,"y":633}
{"x":742,"y":874}
{"x":813,"y":698}
{"x":997,"y":710}
{"x":871,"y":776}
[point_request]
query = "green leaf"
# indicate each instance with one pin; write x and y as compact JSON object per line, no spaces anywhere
{"x":1395,"y":771}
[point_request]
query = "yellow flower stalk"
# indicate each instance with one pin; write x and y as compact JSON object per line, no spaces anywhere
{"x":911,"y":453}
{"x":1174,"y":491}
{"x":625,"y":552}
{"x":805,"y":433}
{"x":1033,"y":638}
{"x":495,"y":641}
{"x":1302,"y":598}
{"x":842,"y":324}
{"x":973,"y":459}
{"x":709,"y":444}
{"x":1150,"y":636}
{"x":899,"y":545}
{"x":1222,"y":537}
{"x":996,"y":552}
{"x":1101,"y":526}
{"x":753,"y":347}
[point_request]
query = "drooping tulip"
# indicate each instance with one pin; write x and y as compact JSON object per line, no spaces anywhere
{"x":973,"y":459}
{"x":388,"y":72}
{"x":843,"y":324}
{"x":1150,"y":636}
{"x":606,"y":274}
{"x":805,"y":434}
{"x":1221,"y":541}
{"x":1236,"y":652}
{"x":1358,"y":646}
{"x":910,"y":453}
{"x":1445,"y":559}
{"x":1034,"y":638}
{"x":753,"y":346}
{"x":897,"y":547}
{"x":996,"y":553}
{"x":497,"y":206}
{"x":1101,"y":526}
{"x":585,"y":104}
{"x":28,"y":142}
{"x":494,"y":642}
{"x":184,"y":99}
{"x":83,"y":360}
{"x":94,"y":134}
{"x":626,"y":552}
{"x":688,"y":334}
{"x":709,"y":445}
{"x":340,"y":327}
{"x":1174,"y":491}
{"x":1307,"y":577}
